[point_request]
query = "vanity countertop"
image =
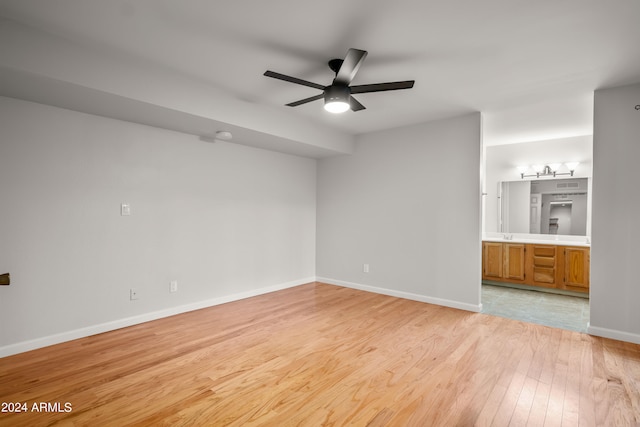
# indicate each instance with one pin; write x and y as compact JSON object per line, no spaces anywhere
{"x":538,"y":239}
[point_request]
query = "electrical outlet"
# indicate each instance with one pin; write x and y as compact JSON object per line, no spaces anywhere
{"x":365,"y":268}
{"x":133,"y":294}
{"x":174,"y":286}
{"x":125,"y":209}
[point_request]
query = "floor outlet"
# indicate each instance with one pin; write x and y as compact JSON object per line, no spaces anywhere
{"x":133,"y":294}
{"x":174,"y":286}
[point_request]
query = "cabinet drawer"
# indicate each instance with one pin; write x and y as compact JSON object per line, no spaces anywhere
{"x":546,"y":251}
{"x":539,"y":261}
{"x":544,"y":275}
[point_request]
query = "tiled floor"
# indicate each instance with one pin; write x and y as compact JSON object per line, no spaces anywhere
{"x":560,"y":311}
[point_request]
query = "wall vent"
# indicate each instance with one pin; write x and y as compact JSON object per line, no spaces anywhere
{"x":567,"y":185}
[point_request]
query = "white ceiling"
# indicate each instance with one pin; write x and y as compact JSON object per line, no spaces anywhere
{"x":530,"y":66}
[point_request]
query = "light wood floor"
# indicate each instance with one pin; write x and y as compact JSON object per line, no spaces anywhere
{"x":324,"y":355}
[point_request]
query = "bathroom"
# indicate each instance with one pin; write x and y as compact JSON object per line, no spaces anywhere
{"x":537,"y":199}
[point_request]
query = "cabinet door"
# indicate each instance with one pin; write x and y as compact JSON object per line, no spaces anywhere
{"x":576,"y":268}
{"x":492,"y":260}
{"x":514,"y":261}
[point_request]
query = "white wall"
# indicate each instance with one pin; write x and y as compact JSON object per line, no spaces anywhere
{"x":615,"y":251}
{"x":408,"y":204}
{"x":224,"y":220}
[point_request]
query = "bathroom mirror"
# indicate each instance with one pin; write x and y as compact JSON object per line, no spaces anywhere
{"x":546,"y":206}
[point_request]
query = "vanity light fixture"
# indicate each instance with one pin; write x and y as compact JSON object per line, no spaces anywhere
{"x":547,"y":170}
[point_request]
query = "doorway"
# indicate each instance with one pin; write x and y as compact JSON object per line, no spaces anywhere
{"x":551,"y":217}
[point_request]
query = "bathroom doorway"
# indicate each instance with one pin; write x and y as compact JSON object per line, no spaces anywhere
{"x":554,"y":219}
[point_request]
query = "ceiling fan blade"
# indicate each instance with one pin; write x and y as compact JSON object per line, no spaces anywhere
{"x":304,"y":101}
{"x":292,"y":79}
{"x":350,"y":66}
{"x":381,"y":87}
{"x":355,"y":105}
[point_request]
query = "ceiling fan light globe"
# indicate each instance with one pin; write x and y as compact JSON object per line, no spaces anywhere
{"x":336,"y":98}
{"x":336,"y":107}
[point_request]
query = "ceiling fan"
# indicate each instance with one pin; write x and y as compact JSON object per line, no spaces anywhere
{"x":337,"y":96}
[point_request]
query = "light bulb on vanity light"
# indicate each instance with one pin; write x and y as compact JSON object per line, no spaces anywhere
{"x":572,"y":165}
{"x":538,"y":168}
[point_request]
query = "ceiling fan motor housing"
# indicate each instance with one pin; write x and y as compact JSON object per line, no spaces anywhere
{"x":337,"y":93}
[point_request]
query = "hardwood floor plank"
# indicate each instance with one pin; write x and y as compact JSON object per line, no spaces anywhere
{"x":524,"y":403}
{"x":587,"y":414}
{"x":570,"y":410}
{"x":319,"y":354}
{"x":539,"y":405}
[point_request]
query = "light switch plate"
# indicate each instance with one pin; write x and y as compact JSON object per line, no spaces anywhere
{"x":125,"y":209}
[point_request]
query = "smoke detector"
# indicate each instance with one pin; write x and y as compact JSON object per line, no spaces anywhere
{"x":224,"y":135}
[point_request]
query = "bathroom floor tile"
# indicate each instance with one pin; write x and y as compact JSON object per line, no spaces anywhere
{"x":560,"y":311}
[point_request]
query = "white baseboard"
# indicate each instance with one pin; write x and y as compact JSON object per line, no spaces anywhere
{"x":23,"y":346}
{"x":405,"y":295}
{"x":613,"y":334}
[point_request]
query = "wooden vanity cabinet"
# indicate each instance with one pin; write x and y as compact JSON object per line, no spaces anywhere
{"x":492,"y":260}
{"x":514,"y":262}
{"x":549,"y":266}
{"x":503,"y":262}
{"x":575,"y":272}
